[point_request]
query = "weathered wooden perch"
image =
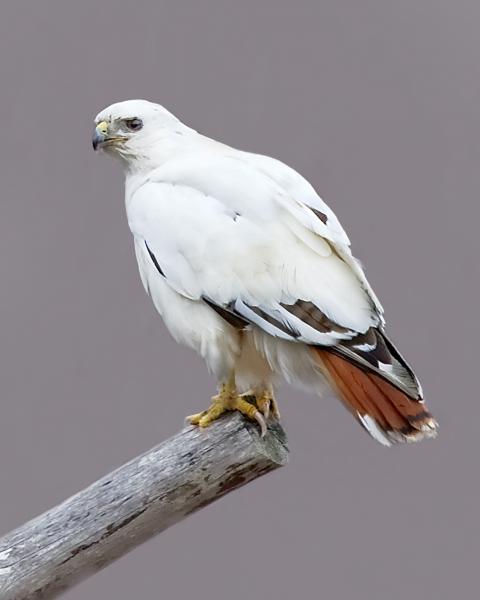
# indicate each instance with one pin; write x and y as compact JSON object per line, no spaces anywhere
{"x":82,"y":535}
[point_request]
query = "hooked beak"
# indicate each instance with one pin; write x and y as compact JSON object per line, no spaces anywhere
{"x":100,"y":135}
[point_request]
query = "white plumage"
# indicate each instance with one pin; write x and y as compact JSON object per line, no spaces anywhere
{"x":217,"y":229}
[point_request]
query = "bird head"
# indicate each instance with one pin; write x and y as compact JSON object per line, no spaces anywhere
{"x":130,"y":129}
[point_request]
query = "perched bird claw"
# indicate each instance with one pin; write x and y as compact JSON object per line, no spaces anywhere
{"x":267,"y":404}
{"x":255,"y":407}
{"x":261,"y":421}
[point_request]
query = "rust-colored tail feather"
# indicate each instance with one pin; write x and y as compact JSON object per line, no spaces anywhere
{"x":386,"y":412}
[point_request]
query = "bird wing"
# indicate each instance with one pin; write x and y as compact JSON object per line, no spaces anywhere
{"x":312,"y":213}
{"x":250,"y":237}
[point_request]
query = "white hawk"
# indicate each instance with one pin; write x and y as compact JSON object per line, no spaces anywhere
{"x":249,"y":267}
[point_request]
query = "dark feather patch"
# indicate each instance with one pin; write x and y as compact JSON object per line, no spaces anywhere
{"x":371,"y":346}
{"x":312,"y":316}
{"x":154,"y":260}
{"x":237,"y":320}
{"x":273,"y":321}
{"x":322,"y":216}
{"x":228,"y":314}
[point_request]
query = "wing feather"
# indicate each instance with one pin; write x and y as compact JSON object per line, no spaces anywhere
{"x":286,"y":267}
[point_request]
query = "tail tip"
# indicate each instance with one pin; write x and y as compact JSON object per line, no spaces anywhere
{"x":388,"y":437}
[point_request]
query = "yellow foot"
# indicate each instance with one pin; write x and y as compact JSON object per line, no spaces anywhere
{"x":228,"y":400}
{"x":220,"y":404}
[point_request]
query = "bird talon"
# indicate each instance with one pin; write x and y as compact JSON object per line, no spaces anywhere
{"x":261,"y":421}
{"x":268,"y":405}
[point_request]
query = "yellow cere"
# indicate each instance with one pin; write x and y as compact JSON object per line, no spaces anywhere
{"x":102,"y":127}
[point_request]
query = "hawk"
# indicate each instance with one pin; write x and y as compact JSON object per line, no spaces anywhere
{"x":248,"y":266}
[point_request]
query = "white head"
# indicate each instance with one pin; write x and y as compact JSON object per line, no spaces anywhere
{"x":131,"y":129}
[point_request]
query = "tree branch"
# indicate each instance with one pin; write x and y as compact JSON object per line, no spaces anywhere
{"x":72,"y":541}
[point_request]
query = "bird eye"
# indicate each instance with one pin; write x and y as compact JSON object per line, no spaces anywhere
{"x":134,"y":124}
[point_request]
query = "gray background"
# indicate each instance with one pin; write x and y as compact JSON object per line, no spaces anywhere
{"x":377,"y":103}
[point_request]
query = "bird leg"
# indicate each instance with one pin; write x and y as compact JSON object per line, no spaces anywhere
{"x":221,"y":403}
{"x":255,"y":406}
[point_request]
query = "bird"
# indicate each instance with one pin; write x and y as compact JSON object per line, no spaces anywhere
{"x":249,"y":267}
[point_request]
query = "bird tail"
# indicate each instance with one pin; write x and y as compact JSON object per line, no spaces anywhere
{"x":389,"y":414}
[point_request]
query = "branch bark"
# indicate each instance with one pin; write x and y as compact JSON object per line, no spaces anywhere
{"x":77,"y":538}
